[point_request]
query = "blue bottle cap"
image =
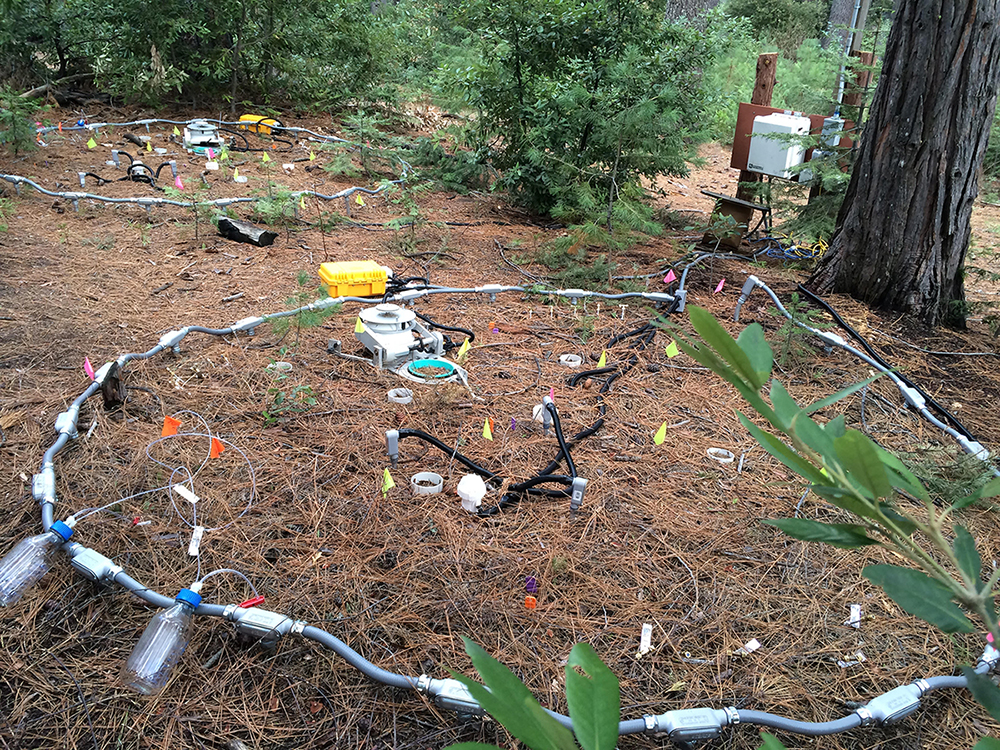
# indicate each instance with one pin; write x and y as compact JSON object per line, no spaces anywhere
{"x":62,"y":530}
{"x":188,"y":597}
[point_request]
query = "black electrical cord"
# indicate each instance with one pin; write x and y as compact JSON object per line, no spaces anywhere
{"x":160,"y":168}
{"x":457,"y":329}
{"x":563,"y":448}
{"x":875,"y":355}
{"x":100,"y":180}
{"x":246,"y":143}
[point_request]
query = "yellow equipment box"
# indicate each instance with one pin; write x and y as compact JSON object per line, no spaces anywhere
{"x":353,"y":278}
{"x":259,"y":124}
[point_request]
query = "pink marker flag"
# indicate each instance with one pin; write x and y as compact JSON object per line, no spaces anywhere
{"x":552,"y":393}
{"x":88,"y":368}
{"x":669,"y":277}
{"x":177,"y":183}
{"x":719,"y":287}
{"x":211,"y":154}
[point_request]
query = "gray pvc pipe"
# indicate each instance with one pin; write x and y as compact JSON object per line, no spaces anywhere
{"x":808,"y":728}
{"x":357,"y":661}
{"x":159,"y":600}
{"x":629,"y":726}
{"x":936,"y":683}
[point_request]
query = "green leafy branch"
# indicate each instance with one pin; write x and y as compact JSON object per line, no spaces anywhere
{"x":851,"y":472}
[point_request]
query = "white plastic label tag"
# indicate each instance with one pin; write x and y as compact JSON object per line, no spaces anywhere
{"x":195,"y":545}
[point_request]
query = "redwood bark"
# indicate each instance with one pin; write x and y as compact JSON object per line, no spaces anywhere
{"x":903,"y":229}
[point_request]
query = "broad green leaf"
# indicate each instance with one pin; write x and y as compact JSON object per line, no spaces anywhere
{"x":719,"y":339}
{"x":990,"y":489}
{"x":810,"y":433}
{"x":984,"y":691}
{"x":967,"y":555}
{"x":846,"y":501}
{"x":829,"y":400}
{"x":751,"y":341}
{"x":901,"y":477}
{"x":593,"y":698}
{"x":784,"y":405}
{"x":843,"y":535}
{"x":987,"y":743}
{"x":705,"y":357}
{"x":857,"y":454}
{"x":903,"y":523}
{"x":783,"y":453}
{"x":835,"y":427}
{"x":770,"y":742}
{"x":920,"y":596}
{"x":512,"y":704}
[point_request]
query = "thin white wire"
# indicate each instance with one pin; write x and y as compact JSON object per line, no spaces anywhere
{"x":234,"y":572}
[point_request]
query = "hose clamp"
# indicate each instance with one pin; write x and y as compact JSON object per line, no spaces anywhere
{"x":650,"y":721}
{"x":298,"y":626}
{"x":229,"y":610}
{"x":866,"y":716}
{"x":423,"y":683}
{"x":733,"y":715}
{"x":922,"y":685}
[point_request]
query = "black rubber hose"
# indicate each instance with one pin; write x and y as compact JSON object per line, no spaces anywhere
{"x":160,"y":168}
{"x":877,"y":357}
{"x":563,"y":448}
{"x":457,"y":329}
{"x":467,"y":462}
{"x":100,"y":180}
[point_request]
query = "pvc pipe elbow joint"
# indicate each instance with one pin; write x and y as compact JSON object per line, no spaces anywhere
{"x":66,"y":421}
{"x":247,"y":324}
{"x":173,"y":338}
{"x":43,"y":485}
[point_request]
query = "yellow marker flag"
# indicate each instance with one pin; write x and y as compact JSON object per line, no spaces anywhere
{"x":661,"y":434}
{"x":91,"y":143}
{"x":359,"y":200}
{"x":149,"y":145}
{"x":312,"y":156}
{"x":603,"y":361}
{"x":359,"y":327}
{"x":236,"y":172}
{"x":176,"y":131}
{"x":672,"y":350}
{"x":302,"y":202}
{"x":488,"y":429}
{"x":265,"y":158}
{"x":387,"y":482}
{"x":224,"y":155}
{"x":463,"y":350}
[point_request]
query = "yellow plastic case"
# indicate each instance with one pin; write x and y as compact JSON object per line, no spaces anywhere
{"x":259,"y":124}
{"x":353,"y":278}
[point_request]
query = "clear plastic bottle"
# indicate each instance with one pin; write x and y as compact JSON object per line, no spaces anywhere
{"x":30,"y":559}
{"x":161,"y":646}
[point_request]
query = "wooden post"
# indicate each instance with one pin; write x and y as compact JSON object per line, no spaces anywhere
{"x":854,"y":92}
{"x":763,"y":90}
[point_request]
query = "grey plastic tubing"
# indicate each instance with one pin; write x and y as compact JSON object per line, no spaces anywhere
{"x":370,"y":670}
{"x":808,"y":728}
{"x":357,"y":661}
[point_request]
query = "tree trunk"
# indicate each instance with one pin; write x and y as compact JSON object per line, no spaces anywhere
{"x":903,"y":228}
{"x":838,"y":24}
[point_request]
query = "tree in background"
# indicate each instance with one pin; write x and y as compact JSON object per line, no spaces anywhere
{"x":903,"y":229}
{"x":577,"y":100}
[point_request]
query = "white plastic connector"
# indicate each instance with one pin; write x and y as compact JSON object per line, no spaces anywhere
{"x":103,"y":372}
{"x":688,"y":725}
{"x":407,"y":294}
{"x":194,"y":547}
{"x":247,"y":324}
{"x":895,"y":705}
{"x":173,"y":338}
{"x":573,"y":294}
{"x":392,"y":445}
{"x":577,"y":490}
{"x":831,"y":338}
{"x":43,"y":485}
{"x":66,"y":421}
{"x":973,"y":448}
{"x":92,"y":565}
{"x":184,"y":492}
{"x":451,"y":694}
{"x":912,"y":397}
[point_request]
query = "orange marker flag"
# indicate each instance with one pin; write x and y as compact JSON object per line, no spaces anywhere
{"x":217,"y":448}
{"x":170,"y":426}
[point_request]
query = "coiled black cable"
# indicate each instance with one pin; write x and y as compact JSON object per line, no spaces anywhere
{"x":875,"y":355}
{"x":457,"y":329}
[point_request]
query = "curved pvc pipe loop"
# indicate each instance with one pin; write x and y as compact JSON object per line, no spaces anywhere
{"x":426,"y":483}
